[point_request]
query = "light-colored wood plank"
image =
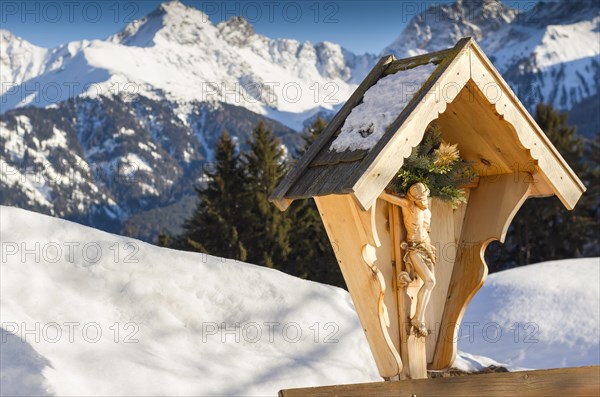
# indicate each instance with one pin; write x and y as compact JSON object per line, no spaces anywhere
{"x":412,"y":348}
{"x":573,"y":382}
{"x":501,"y":196}
{"x":385,"y":264}
{"x":416,"y":345}
{"x":367,"y":286}
{"x":397,"y":234}
{"x":442,"y":238}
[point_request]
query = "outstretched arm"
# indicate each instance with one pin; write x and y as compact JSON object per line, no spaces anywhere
{"x":400,"y":201}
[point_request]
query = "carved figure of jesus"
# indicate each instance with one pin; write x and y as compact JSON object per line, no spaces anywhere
{"x":419,"y":254}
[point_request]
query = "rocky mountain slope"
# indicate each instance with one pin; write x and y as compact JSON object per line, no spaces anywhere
{"x":549,"y":53}
{"x":176,"y":53}
{"x":98,"y":161}
{"x":102,"y":131}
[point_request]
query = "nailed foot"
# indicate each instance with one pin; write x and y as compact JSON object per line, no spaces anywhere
{"x":404,"y":279}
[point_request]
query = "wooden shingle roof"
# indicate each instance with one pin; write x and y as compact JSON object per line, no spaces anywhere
{"x":511,"y":137}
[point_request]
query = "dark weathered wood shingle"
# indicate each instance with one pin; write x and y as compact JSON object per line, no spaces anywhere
{"x":322,"y":141}
{"x":321,"y":171}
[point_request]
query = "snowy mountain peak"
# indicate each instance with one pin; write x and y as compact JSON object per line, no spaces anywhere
{"x":174,"y":6}
{"x":5,"y":35}
{"x":236,"y":30}
{"x":441,"y":26}
{"x":559,"y":13}
{"x":548,"y":53}
{"x":170,"y":23}
{"x":486,"y":11}
{"x":19,"y":59}
{"x":479,"y":3}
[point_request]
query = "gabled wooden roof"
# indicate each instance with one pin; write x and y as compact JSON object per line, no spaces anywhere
{"x":488,"y":121}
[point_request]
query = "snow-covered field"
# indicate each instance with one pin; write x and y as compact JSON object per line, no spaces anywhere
{"x":167,"y":319}
{"x":88,"y":313}
{"x":539,"y":316}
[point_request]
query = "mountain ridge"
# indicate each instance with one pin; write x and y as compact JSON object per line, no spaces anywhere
{"x":158,"y":94}
{"x":543,"y":60}
{"x":177,"y":53}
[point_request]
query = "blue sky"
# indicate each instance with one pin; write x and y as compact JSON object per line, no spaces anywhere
{"x":359,"y":25}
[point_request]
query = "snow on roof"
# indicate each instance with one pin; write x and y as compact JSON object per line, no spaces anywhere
{"x":382,"y":103}
{"x":359,"y":154}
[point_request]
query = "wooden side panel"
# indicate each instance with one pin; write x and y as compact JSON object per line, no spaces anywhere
{"x":582,"y":381}
{"x":357,"y":260}
{"x":386,"y":266}
{"x":442,"y":237}
{"x":491,"y":208}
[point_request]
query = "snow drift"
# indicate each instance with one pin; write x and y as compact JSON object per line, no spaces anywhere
{"x":90,"y":313}
{"x":106,"y":315}
{"x":539,"y":316}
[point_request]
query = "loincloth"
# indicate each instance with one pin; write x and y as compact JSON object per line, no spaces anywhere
{"x":425,"y":250}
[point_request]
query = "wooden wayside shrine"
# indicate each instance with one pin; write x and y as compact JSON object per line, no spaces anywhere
{"x":475,"y":109}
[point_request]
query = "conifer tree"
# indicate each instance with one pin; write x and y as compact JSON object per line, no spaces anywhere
{"x":164,"y":240}
{"x":311,"y":255}
{"x":591,"y":198}
{"x":214,"y":226}
{"x":311,"y":135}
{"x":266,"y":231}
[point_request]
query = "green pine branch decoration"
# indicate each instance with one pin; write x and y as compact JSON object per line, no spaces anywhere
{"x":438,"y":165}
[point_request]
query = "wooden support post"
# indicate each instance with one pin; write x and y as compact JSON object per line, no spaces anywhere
{"x":412,"y":347}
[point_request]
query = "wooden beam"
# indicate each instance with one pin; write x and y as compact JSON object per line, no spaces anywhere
{"x":390,"y":198}
{"x":387,"y":266}
{"x":580,"y":381}
{"x":423,"y":59}
{"x":412,"y":347}
{"x":280,"y":192}
{"x":282,"y":204}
